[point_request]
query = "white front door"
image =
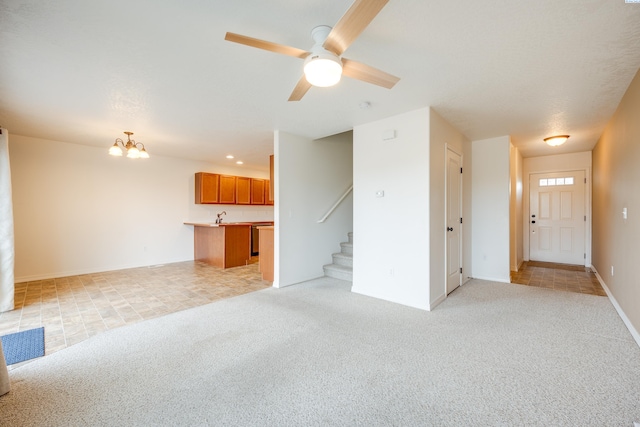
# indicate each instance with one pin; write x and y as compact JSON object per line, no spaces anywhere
{"x":454,"y":220}
{"x":557,"y":219}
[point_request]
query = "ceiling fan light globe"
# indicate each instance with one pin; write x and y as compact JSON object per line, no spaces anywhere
{"x":323,"y":70}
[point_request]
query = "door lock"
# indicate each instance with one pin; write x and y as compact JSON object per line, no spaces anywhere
{"x":449,"y":228}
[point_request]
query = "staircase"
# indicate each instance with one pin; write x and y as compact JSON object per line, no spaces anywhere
{"x":342,"y":267}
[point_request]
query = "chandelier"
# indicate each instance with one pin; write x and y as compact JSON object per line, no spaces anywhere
{"x":133,"y":152}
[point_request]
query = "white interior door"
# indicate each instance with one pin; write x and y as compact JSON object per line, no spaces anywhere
{"x":557,"y":220}
{"x":454,"y":220}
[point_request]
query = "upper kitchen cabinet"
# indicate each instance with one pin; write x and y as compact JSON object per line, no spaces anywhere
{"x":207,"y":188}
{"x":268,"y":195}
{"x":271,"y":178}
{"x":228,"y":189}
{"x":243,"y":190}
{"x":257,"y":191}
{"x":212,"y":188}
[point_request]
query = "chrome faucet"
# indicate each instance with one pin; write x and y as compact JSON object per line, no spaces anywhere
{"x":219,"y":219}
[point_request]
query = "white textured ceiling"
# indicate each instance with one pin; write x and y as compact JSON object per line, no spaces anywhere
{"x":85,"y":71}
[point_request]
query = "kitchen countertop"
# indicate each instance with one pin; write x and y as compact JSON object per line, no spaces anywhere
{"x":213,"y":224}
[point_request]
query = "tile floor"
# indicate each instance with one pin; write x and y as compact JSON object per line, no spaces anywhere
{"x":72,"y":309}
{"x":572,"y":278}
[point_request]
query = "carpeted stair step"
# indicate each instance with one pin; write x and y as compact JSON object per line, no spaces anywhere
{"x":346,"y":248}
{"x":350,"y":234}
{"x":338,"y":272}
{"x":343,"y":259}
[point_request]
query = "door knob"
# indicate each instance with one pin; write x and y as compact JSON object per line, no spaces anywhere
{"x":449,"y":228}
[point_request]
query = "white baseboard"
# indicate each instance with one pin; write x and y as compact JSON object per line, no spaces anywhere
{"x":621,"y":313}
{"x":437,"y":301}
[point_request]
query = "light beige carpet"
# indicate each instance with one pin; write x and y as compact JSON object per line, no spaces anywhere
{"x":316,"y":354}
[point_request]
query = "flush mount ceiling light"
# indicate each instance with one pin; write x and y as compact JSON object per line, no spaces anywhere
{"x":554,"y":141}
{"x":322,"y":68}
{"x":131,"y":146}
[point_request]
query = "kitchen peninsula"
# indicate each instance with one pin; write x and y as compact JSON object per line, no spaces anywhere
{"x":225,"y":245}
{"x":222,"y":245}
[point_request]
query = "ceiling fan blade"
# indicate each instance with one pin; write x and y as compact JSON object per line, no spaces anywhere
{"x":301,"y":88}
{"x":262,"y":44}
{"x":366,"y":73}
{"x":352,"y":23}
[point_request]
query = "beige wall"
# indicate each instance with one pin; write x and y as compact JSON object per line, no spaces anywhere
{"x":616,"y":185}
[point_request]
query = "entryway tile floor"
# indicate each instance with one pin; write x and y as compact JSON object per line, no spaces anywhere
{"x":563,"y":277}
{"x":72,"y":309}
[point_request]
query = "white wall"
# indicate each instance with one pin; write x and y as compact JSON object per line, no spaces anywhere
{"x":516,"y":215}
{"x":441,"y":136}
{"x":556,"y":163}
{"x":391,"y":233}
{"x":490,"y":206}
{"x":78,"y":210}
{"x":310,"y":176}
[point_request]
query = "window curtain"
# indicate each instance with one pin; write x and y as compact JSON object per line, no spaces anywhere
{"x":6,"y":227}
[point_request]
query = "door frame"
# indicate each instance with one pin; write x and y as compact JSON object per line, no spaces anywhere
{"x":526,"y":197}
{"x":448,"y":148}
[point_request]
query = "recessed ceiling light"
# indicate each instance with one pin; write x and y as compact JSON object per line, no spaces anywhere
{"x":229,"y":156}
{"x":239,"y":162}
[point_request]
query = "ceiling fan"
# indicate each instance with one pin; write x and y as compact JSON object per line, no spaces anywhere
{"x":324,"y":64}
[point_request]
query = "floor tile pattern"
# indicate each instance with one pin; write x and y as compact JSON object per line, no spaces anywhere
{"x":572,"y":278}
{"x":72,"y":309}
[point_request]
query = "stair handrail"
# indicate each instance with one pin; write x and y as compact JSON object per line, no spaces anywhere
{"x":333,"y":208}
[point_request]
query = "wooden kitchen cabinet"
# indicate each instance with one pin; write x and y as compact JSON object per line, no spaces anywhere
{"x":243,"y":190}
{"x":212,"y":188}
{"x":271,"y":183}
{"x":268,"y":194}
{"x":224,"y":246}
{"x":207,"y":188}
{"x":257,"y":191}
{"x":227,"y":189}
{"x":266,"y":253}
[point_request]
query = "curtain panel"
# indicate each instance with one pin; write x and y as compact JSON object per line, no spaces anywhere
{"x":7,"y":251}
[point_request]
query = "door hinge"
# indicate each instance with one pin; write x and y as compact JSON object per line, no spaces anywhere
{"x":460,"y":170}
{"x":460,"y":220}
{"x":585,"y":180}
{"x":585,"y":217}
{"x":585,"y":256}
{"x":460,"y":270}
